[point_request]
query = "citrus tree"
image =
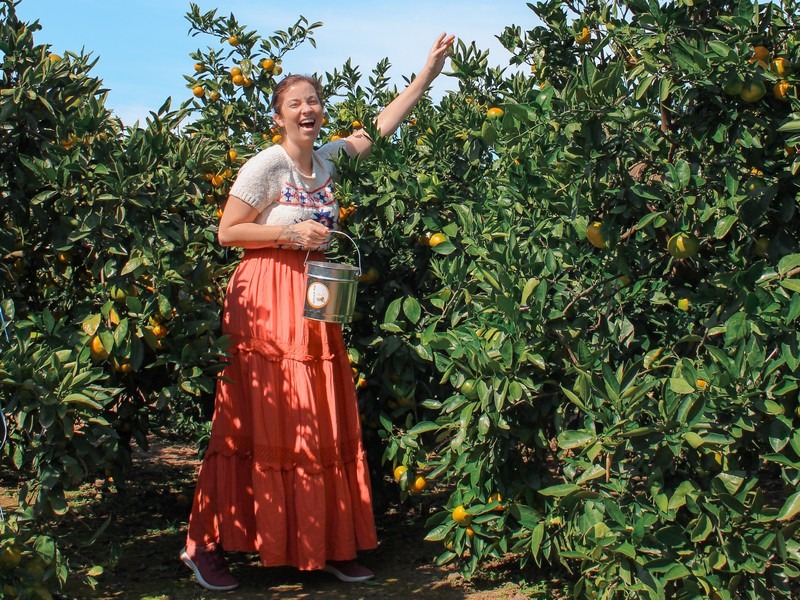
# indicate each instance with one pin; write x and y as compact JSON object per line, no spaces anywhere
{"x":613,"y":310}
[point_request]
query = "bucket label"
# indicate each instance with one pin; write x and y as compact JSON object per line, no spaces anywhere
{"x":317,"y":295}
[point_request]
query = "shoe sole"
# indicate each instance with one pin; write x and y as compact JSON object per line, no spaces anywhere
{"x":346,"y":578}
{"x":184,"y":556}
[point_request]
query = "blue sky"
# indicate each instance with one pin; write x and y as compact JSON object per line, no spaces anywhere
{"x":143,"y":46}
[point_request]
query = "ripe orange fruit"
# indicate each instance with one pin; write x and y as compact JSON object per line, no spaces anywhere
{"x":761,"y":53}
{"x":53,"y":57}
{"x":461,"y":516}
{"x":702,"y":384}
{"x":268,"y":64}
{"x":357,"y":124}
{"x":683,"y":245}
{"x":436,"y":239}
{"x":238,"y":79}
{"x":753,"y":91}
{"x":277,"y":138}
{"x":198,"y":91}
{"x":217,"y":180}
{"x":160,"y":330}
{"x":232,"y":154}
{"x":233,"y":40}
{"x":683,"y":304}
{"x":594,"y":233}
{"x":780,"y":66}
{"x":235,"y":71}
{"x":420,"y":483}
{"x":470,"y":532}
{"x":584,"y":37}
{"x":96,"y":349}
{"x":361,"y":383}
{"x":198,"y":67}
{"x":247,"y":82}
{"x":781,"y":90}
{"x":495,"y":112}
{"x":335,"y":137}
{"x":399,"y":471}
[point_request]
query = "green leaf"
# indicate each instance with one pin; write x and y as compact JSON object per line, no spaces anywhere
{"x":412,"y":309}
{"x":724,"y":226}
{"x":790,"y":508}
{"x":680,"y":386}
{"x":574,"y":439}
{"x":787,"y":263}
{"x":561,"y":490}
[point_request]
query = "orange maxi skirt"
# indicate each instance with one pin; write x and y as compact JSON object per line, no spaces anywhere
{"x":285,"y":473}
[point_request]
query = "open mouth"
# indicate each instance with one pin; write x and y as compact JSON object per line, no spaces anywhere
{"x":307,"y":124}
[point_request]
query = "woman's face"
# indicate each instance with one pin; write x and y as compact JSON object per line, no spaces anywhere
{"x":300,"y":114}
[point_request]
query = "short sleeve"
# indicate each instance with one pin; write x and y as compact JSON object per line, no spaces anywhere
{"x":258,"y":181}
{"x":328,"y":153}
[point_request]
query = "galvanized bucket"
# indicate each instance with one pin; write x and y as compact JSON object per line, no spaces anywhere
{"x":331,"y":289}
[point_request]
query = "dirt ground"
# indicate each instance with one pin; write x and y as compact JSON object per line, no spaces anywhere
{"x":146,"y":527}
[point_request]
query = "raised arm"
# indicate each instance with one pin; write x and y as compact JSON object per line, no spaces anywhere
{"x":398,"y":109}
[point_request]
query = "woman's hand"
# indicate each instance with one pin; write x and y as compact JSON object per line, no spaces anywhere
{"x":441,"y":49}
{"x":306,"y":234}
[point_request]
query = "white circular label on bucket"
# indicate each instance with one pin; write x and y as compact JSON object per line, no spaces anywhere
{"x":317,"y":295}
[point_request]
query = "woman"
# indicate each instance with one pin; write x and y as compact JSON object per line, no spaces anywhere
{"x":285,"y":473}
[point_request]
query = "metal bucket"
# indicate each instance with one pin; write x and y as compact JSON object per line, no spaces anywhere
{"x":331,"y":289}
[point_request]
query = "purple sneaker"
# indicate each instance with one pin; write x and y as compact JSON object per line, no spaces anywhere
{"x":209,"y":569}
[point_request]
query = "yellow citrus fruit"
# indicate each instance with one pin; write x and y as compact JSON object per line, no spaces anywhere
{"x":780,"y":66}
{"x":470,"y":532}
{"x":584,"y":37}
{"x":232,"y":154}
{"x":268,"y":64}
{"x":357,"y":124}
{"x":247,"y":82}
{"x":436,"y":239}
{"x":277,"y":70}
{"x":277,"y":138}
{"x":371,"y":276}
{"x":761,"y":53}
{"x":198,"y":67}
{"x":683,"y":304}
{"x":399,"y":471}
{"x":198,"y":91}
{"x":683,"y":245}
{"x":702,"y":384}
{"x":753,"y":91}
{"x":233,"y":40}
{"x":53,"y":57}
{"x":217,"y":180}
{"x":238,"y":79}
{"x":420,"y":483}
{"x":160,"y":330}
{"x":235,"y":71}
{"x":335,"y":137}
{"x":495,"y":112}
{"x":219,"y":212}
{"x":461,"y":516}
{"x":594,"y":233}
{"x":781,"y":90}
{"x":361,"y":383}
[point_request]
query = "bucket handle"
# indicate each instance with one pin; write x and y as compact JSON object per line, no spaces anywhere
{"x":358,"y":252}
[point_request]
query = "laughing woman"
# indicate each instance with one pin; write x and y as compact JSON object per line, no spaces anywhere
{"x":285,"y":473}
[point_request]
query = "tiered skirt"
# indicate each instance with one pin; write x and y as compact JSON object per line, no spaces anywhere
{"x":285,"y":473}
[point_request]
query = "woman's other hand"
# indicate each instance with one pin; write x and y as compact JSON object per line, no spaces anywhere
{"x":307,"y":234}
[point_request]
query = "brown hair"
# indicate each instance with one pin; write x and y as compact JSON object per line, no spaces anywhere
{"x":280,"y":89}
